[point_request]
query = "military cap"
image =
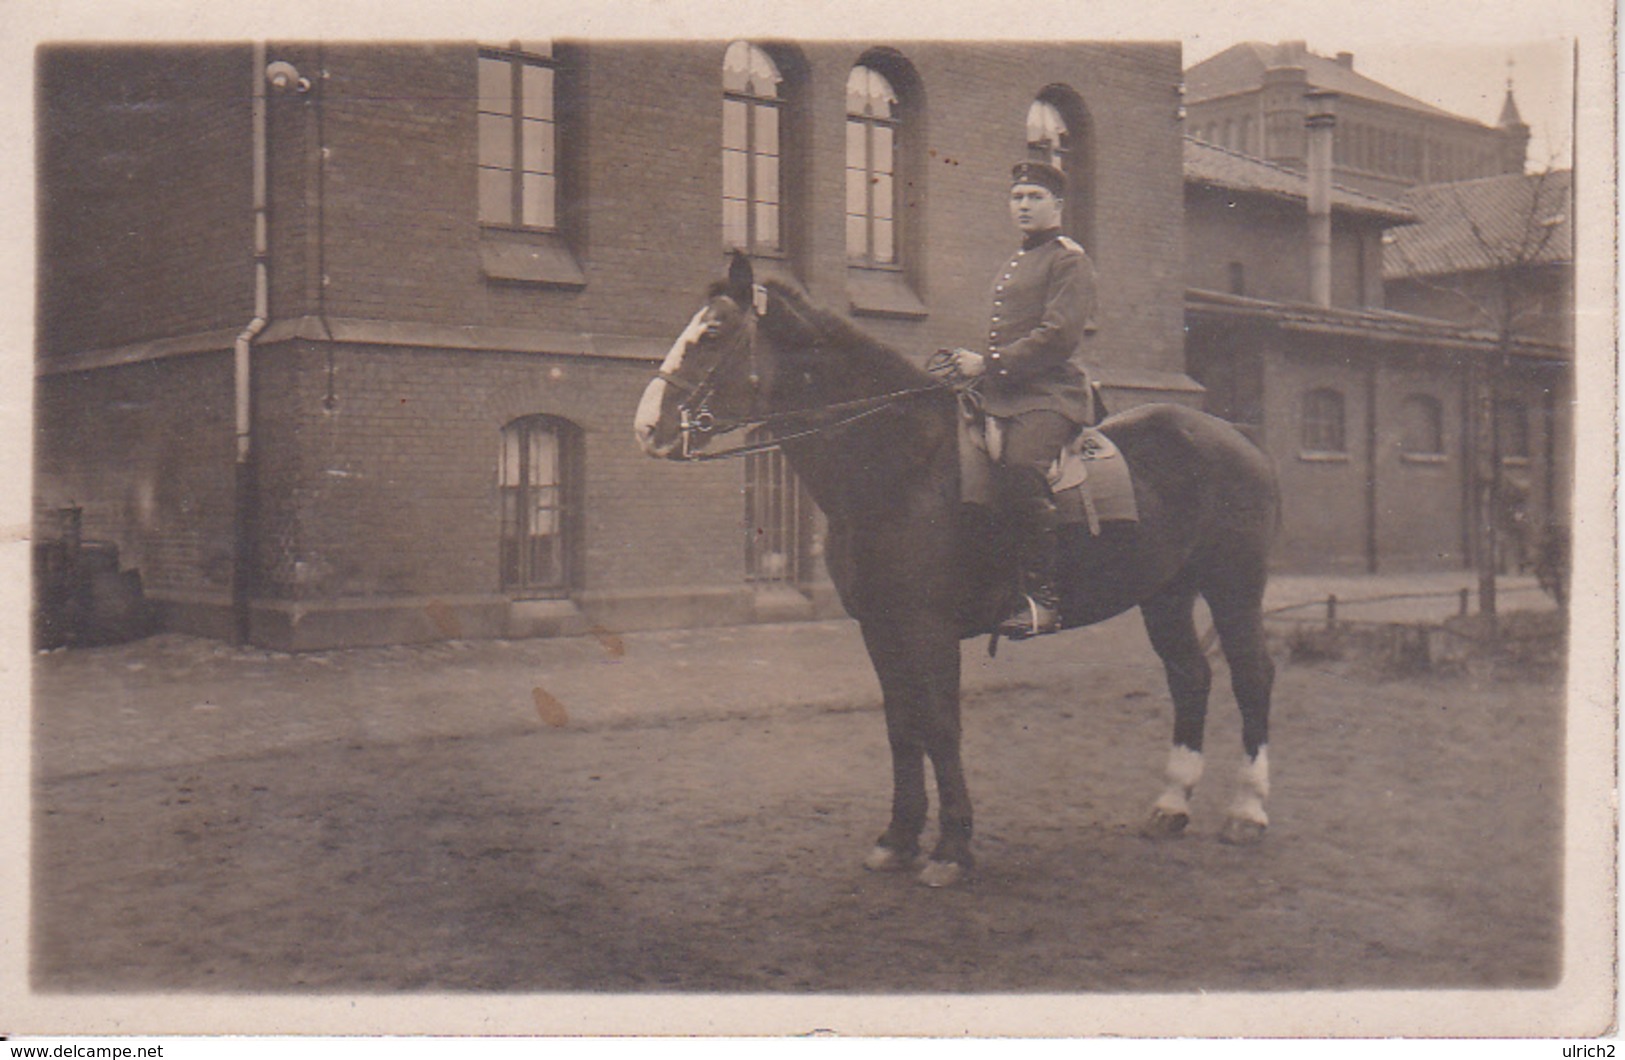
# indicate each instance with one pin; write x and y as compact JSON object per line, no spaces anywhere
{"x":1040,"y":173}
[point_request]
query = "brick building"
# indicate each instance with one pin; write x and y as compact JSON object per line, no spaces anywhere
{"x":1371,"y":395}
{"x":1251,"y":98}
{"x":341,"y":344}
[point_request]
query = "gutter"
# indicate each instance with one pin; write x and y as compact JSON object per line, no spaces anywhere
{"x":244,"y":537}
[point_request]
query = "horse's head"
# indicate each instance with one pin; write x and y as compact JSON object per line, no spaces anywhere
{"x":713,"y":378}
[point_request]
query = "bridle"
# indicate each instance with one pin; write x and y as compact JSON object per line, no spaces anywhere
{"x":696,"y":420}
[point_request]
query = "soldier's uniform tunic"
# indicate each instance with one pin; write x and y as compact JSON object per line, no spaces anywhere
{"x":1043,"y":304}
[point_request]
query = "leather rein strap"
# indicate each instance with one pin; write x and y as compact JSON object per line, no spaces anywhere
{"x":697,"y":419}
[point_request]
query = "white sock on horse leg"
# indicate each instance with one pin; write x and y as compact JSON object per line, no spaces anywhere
{"x":1255,"y":788}
{"x":1182,"y":773}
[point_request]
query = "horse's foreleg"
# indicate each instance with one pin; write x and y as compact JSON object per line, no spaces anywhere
{"x":918,"y":666}
{"x":952,"y":856}
{"x":1172,"y":628}
{"x":1252,"y":677}
{"x":898,"y":847}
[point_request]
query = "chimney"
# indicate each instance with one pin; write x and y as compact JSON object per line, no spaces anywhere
{"x":1320,"y":122}
{"x":1345,"y":60}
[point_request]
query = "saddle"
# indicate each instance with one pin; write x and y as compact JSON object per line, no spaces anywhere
{"x":1089,"y":479}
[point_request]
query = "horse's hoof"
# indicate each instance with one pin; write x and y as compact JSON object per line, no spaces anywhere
{"x":885,"y":859}
{"x":941,"y":873}
{"x":1164,"y":825}
{"x":1240,"y":832}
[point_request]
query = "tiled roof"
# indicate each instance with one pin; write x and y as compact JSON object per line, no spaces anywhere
{"x":1220,"y":167}
{"x":1240,"y":68}
{"x":1378,"y":325}
{"x":1471,"y":225}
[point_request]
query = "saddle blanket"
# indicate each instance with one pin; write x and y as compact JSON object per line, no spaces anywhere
{"x":1090,"y":479}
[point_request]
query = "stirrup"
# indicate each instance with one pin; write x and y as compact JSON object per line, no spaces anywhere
{"x":1037,"y":621}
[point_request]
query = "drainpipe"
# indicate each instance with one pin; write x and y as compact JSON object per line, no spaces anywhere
{"x":1320,"y":119}
{"x":243,"y":537}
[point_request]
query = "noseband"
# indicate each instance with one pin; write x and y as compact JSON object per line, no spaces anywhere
{"x":694,"y":415}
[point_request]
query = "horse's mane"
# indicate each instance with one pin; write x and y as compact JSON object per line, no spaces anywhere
{"x":832,"y":330}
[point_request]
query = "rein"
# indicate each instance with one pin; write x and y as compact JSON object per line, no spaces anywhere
{"x":696,"y":418}
{"x":870,"y":406}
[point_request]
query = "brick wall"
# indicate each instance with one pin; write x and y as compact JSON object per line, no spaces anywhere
{"x":1270,"y":239}
{"x":387,"y":483}
{"x":146,"y":223}
{"x":146,"y":451}
{"x":1322,"y":500}
{"x":1420,"y":500}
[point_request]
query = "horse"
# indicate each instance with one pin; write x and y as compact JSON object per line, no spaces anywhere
{"x":874,"y":438}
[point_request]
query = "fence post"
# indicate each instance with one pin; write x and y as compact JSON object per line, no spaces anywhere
{"x":1331,"y":610}
{"x":1465,"y":593}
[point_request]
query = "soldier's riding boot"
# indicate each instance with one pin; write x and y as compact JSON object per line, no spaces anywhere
{"x":1039,"y":611}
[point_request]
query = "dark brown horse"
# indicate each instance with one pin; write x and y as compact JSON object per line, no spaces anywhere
{"x":874,"y":439}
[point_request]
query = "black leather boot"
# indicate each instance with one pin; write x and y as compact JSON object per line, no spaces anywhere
{"x":1039,"y":611}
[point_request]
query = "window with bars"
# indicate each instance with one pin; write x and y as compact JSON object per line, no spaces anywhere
{"x":1322,"y":428}
{"x":518,"y":137}
{"x":1423,"y":427}
{"x":539,"y":483}
{"x":873,"y":128}
{"x":1512,"y":418}
{"x":780,"y":520}
{"x":752,"y":121}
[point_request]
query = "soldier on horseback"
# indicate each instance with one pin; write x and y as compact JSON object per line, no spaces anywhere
{"x":1043,"y":305}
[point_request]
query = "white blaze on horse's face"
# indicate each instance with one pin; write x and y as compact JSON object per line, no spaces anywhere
{"x":646,"y":425}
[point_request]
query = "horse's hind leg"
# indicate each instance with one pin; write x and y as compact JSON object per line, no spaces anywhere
{"x":1172,"y":627}
{"x":1238,"y":617}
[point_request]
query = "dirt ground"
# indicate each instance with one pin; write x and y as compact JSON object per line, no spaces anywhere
{"x":1415,"y":838}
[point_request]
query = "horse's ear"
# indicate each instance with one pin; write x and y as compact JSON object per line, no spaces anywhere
{"x":741,"y":278}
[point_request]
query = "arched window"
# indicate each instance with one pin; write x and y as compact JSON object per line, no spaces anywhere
{"x":518,"y":136}
{"x":1058,"y":133}
{"x":1323,"y":430}
{"x":1048,"y":139}
{"x":752,"y":121}
{"x":539,"y":480}
{"x":873,"y":129}
{"x":1423,"y":427}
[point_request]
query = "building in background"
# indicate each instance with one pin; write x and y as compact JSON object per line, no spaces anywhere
{"x":1251,"y":98}
{"x":1373,"y":359}
{"x":341,"y":345}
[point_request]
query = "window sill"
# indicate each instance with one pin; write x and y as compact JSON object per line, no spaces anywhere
{"x":1318,"y":456}
{"x":1424,"y":458}
{"x":883,"y":293}
{"x":540,"y":258}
